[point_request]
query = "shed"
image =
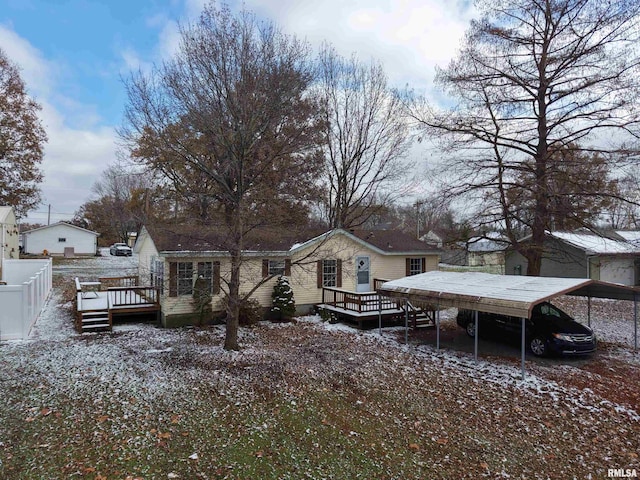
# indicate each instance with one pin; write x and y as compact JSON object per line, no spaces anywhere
{"x":614,"y":257}
{"x":506,"y":295}
{"x":59,"y":238}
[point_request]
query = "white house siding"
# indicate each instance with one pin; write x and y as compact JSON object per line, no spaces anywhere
{"x":49,"y":238}
{"x":617,"y":270}
{"x":303,"y":276}
{"x":147,"y":252}
{"x":9,"y":236}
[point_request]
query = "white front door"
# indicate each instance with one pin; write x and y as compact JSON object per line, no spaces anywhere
{"x":362,"y":274}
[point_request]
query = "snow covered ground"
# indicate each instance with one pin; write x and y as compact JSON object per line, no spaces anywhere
{"x":306,"y":400}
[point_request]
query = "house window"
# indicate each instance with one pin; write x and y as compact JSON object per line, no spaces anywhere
{"x":185,"y":278}
{"x":62,"y":239}
{"x":205,"y":270}
{"x":415,"y":266}
{"x":276,"y":267}
{"x":329,"y":273}
{"x":158,"y":281}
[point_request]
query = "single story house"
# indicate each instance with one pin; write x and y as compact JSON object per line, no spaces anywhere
{"x":613,"y":258}
{"x":9,"y":246}
{"x":172,"y":260}
{"x":486,"y":250}
{"x":60,"y":238}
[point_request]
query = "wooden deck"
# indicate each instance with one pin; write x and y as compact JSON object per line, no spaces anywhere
{"x":365,"y":308}
{"x":96,"y":306}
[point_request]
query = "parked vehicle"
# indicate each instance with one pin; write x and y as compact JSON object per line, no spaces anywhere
{"x":548,"y":331}
{"x":120,"y":249}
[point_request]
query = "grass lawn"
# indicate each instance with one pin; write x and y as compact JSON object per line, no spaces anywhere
{"x":303,"y":400}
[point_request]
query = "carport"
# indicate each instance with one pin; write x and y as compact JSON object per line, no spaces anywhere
{"x":501,"y":294}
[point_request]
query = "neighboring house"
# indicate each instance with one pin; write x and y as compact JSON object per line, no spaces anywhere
{"x":61,"y":237}
{"x":349,"y":260}
{"x":487,"y":250}
{"x":432,"y":238}
{"x":611,"y":258}
{"x":131,"y":238}
{"x":9,"y":236}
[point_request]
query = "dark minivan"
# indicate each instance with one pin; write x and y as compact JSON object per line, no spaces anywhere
{"x":549,"y":330}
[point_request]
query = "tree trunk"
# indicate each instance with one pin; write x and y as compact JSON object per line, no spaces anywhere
{"x":234,"y":221}
{"x":233,"y":306}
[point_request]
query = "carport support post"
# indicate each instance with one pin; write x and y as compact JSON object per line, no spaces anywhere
{"x":475,"y":338}
{"x":379,"y":314}
{"x":437,"y":326}
{"x":589,"y":311}
{"x":406,"y":321}
{"x":522,"y":345}
{"x":635,"y":323}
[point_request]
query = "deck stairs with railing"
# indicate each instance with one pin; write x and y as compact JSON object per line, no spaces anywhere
{"x":97,"y":302}
{"x":367,"y":308}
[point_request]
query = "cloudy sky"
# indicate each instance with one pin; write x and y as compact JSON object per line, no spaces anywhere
{"x":73,"y":55}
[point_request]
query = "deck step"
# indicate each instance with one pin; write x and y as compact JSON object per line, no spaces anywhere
{"x":95,"y":320}
{"x":95,"y":313}
{"x":96,"y":326}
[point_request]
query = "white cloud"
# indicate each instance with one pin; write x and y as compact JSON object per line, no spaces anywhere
{"x":34,"y":69}
{"x":410,"y":37}
{"x":79,"y":147}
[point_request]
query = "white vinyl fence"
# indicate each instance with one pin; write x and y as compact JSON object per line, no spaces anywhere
{"x":22,"y":299}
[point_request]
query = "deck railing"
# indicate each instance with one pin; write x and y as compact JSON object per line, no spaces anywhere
{"x":377,"y":283}
{"x":133,"y":296}
{"x":355,"y":301}
{"x":127,"y":281}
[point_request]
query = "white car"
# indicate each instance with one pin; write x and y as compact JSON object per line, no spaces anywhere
{"x":120,"y":249}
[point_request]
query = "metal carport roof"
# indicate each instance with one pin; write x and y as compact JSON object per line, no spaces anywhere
{"x":503,"y":294}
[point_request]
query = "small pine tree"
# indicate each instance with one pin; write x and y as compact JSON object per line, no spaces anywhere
{"x":284,"y":306}
{"x":202,"y":300}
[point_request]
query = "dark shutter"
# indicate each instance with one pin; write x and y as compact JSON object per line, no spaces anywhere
{"x":173,"y":279}
{"x":287,"y":267}
{"x":319,"y":273}
{"x":215,"y":273}
{"x":407,"y":271}
{"x":265,"y":268}
{"x":339,"y":273}
{"x":424,"y":264}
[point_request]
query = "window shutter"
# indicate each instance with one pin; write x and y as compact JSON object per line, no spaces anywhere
{"x":265,"y":268}
{"x":216,"y":277}
{"x":173,"y":279}
{"x":319,"y":273}
{"x":339,"y":273}
{"x":407,"y":271}
{"x":424,"y":264}
{"x":287,"y":267}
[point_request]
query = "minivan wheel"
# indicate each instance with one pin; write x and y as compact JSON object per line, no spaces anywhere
{"x":471,"y":329}
{"x":538,"y":347}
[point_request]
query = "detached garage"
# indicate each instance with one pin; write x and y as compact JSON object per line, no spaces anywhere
{"x":59,"y":239}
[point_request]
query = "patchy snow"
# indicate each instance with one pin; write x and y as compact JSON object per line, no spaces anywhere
{"x":439,"y":398}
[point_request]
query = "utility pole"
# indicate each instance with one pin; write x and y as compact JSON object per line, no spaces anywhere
{"x":49,"y":216}
{"x":418,"y":203}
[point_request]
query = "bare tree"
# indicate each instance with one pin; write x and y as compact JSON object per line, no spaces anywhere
{"x":536,"y":78}
{"x":121,"y":204}
{"x":366,"y":137}
{"x":625,"y":214}
{"x":231,"y":105}
{"x":22,"y":140}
